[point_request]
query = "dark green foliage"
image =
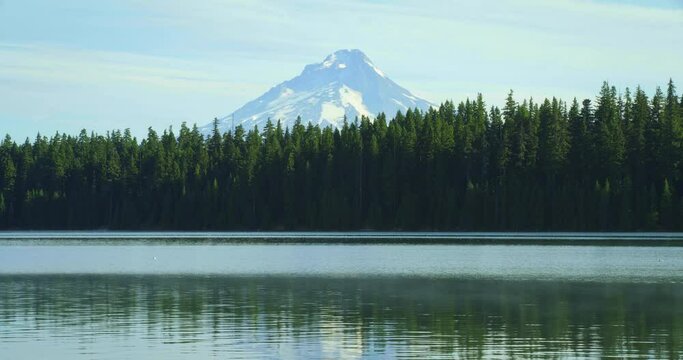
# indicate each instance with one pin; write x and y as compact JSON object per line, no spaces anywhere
{"x":529,"y":166}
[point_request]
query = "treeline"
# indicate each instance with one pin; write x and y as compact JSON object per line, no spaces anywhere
{"x":612,"y":164}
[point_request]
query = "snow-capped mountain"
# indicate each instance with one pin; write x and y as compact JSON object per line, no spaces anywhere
{"x":345,"y":83}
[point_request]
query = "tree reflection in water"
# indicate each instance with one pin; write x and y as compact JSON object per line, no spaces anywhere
{"x":339,"y":317}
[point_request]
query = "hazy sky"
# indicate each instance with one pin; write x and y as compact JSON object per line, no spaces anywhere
{"x":72,"y":64}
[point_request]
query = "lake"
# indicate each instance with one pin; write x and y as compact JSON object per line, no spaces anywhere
{"x":195,"y":296}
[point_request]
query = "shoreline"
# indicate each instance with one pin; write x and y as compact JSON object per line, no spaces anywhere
{"x":361,"y":237}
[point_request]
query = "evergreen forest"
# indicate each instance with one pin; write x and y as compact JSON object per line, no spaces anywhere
{"x":609,"y":164}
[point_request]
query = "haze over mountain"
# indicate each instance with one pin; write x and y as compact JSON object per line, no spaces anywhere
{"x":346,"y":83}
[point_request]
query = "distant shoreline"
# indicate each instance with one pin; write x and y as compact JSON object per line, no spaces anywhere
{"x":360,"y":237}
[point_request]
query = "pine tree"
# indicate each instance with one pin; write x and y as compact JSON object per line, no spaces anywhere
{"x":579,"y":124}
{"x":610,"y":143}
{"x":554,"y":138}
{"x":666,"y":209}
{"x":671,"y":137}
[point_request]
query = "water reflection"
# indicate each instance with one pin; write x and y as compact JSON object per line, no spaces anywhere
{"x":169,"y":317}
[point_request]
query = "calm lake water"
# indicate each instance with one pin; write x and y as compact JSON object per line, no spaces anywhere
{"x":109,"y":297}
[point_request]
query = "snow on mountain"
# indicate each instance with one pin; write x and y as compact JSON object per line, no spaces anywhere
{"x":345,"y":83}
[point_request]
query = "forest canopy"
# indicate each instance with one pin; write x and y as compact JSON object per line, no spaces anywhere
{"x":614,"y":163}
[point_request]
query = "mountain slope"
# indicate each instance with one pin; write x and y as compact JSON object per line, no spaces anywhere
{"x":345,"y":83}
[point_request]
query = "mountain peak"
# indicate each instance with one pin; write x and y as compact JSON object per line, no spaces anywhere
{"x":346,"y":56}
{"x":345,"y":84}
{"x":344,"y":60}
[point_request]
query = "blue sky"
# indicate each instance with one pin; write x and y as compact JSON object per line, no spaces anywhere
{"x":73,"y":64}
